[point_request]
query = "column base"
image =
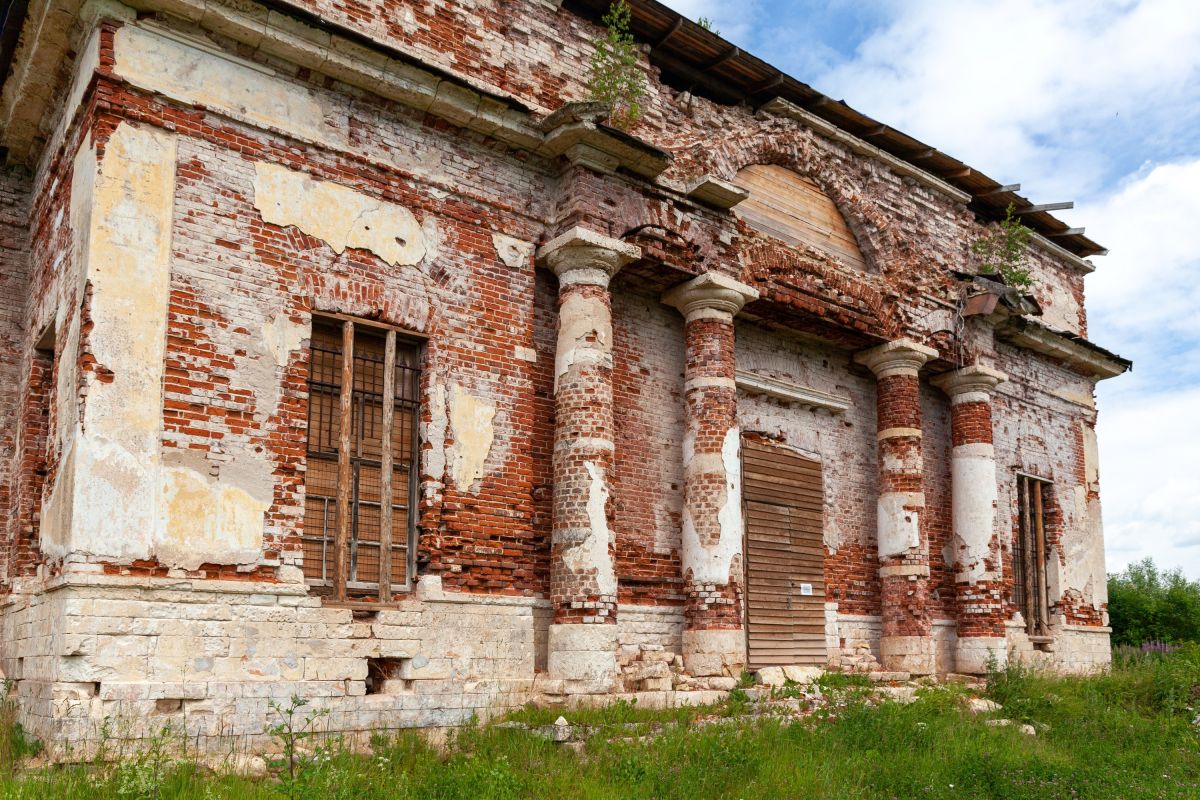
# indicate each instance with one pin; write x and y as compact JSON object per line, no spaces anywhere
{"x":586,"y":653}
{"x":714,"y":653}
{"x":912,"y":654}
{"x":977,"y":655}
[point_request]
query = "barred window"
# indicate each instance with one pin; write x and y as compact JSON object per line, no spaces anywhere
{"x":1029,"y":555}
{"x":363,"y":411}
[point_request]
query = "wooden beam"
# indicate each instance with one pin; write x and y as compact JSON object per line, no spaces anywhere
{"x":769,"y":84}
{"x":385,"y":468}
{"x":876,"y":131}
{"x":1027,"y":556}
{"x":729,"y":54}
{"x":674,"y":30}
{"x":1043,"y":598}
{"x":1010,"y":187}
{"x":965,"y":172}
{"x":345,"y":477}
{"x":1046,"y":207}
{"x":923,"y":155}
{"x":1067,"y":232}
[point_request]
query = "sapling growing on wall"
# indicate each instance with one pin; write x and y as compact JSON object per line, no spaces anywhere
{"x":616,"y":77}
{"x":1002,"y":251}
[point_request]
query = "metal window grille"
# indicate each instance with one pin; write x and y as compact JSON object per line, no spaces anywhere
{"x":1029,"y":591}
{"x":357,"y":545}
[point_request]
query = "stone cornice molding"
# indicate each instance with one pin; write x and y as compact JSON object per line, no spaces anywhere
{"x":711,"y":295}
{"x":974,"y":382}
{"x":791,"y":393}
{"x":901,"y":357}
{"x":583,"y":256}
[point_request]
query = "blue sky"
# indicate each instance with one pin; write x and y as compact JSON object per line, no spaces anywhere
{"x":1096,"y":101}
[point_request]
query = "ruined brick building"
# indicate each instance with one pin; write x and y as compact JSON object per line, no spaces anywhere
{"x":347,"y":351}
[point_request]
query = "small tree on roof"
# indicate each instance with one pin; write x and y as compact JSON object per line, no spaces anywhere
{"x":1003,"y":250}
{"x":615,"y":76}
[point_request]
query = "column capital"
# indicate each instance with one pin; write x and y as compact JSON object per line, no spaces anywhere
{"x":973,"y":383}
{"x":583,"y":256}
{"x":900,"y":357}
{"x":710,"y":295}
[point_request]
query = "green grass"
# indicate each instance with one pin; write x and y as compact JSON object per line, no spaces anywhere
{"x":1128,"y":734}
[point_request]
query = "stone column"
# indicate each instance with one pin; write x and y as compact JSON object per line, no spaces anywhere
{"x":714,"y":641}
{"x":583,"y":580}
{"x":906,"y":640}
{"x":978,"y":579}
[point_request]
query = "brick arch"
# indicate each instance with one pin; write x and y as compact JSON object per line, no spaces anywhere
{"x":794,"y":150}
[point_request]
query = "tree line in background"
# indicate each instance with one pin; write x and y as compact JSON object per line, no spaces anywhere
{"x":1147,"y":604}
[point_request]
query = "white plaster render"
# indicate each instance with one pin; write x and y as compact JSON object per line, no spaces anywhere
{"x":584,"y":335}
{"x":121,"y":213}
{"x":514,"y":253}
{"x":900,"y":357}
{"x":282,"y":337}
{"x":899,"y":522}
{"x":592,"y":553}
{"x":434,"y":432}
{"x":338,"y":215}
{"x":195,"y":74}
{"x":471,"y":424}
{"x":205,"y":519}
{"x":710,"y":563}
{"x":710,"y":295}
{"x":974,"y":497}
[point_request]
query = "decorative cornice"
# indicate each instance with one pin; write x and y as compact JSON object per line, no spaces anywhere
{"x":901,"y":357}
{"x":974,"y":379}
{"x":715,"y":192}
{"x":1073,"y":351}
{"x":803,"y":396}
{"x":584,"y":256}
{"x":712,"y":294}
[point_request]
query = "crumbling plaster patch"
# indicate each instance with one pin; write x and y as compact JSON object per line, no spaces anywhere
{"x":471,"y":421}
{"x":584,"y":335}
{"x":711,"y":562}
{"x":899,"y":523}
{"x":975,"y":494}
{"x":589,"y":555}
{"x":338,"y":215}
{"x":121,"y":212}
{"x":196,"y":76}
{"x":116,"y":496}
{"x":512,"y":252}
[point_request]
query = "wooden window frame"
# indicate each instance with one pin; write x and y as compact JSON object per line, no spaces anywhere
{"x":1031,"y":596}
{"x":338,"y":581}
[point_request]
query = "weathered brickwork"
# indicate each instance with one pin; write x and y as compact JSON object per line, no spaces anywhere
{"x":596,"y":337}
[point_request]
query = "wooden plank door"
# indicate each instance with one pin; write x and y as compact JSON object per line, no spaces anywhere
{"x":785,"y":556}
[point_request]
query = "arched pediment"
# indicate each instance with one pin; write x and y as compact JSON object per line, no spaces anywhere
{"x":792,"y":208}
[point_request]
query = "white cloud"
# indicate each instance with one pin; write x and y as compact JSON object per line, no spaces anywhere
{"x":1149,"y":463}
{"x":1144,"y":300}
{"x":1146,"y":290}
{"x":1018,"y":88}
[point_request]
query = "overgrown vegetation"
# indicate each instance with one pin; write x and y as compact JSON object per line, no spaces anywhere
{"x":1003,"y":250}
{"x":615,"y":75}
{"x":1147,"y":605}
{"x":1131,"y":733}
{"x":707,"y":24}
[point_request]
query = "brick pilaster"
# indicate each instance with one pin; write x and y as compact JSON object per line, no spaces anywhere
{"x":711,"y":552}
{"x":906,"y":639}
{"x":978,"y":579}
{"x":583,"y":581}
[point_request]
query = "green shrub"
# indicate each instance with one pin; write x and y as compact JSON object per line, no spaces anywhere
{"x":1146,"y":604}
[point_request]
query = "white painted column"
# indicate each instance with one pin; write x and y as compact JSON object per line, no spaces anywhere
{"x":714,"y":641}
{"x":583,"y":579}
{"x":978,"y":563}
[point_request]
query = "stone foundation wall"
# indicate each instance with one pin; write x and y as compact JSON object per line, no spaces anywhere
{"x":211,"y":657}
